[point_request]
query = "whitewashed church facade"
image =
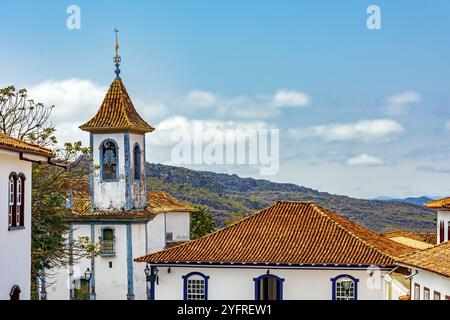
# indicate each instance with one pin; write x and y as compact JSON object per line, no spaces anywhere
{"x":117,"y":213}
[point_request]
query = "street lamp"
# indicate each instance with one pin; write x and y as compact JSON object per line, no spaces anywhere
{"x":87,"y":274}
{"x":151,"y":275}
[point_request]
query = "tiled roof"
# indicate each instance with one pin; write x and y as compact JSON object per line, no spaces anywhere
{"x":13,"y":144}
{"x":287,"y":233}
{"x":157,"y":202}
{"x":417,"y":240}
{"x":435,"y":259}
{"x":117,"y":113}
{"x":439,"y":204}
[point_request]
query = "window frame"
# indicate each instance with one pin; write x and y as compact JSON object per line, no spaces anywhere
{"x":102,"y":151}
{"x":12,"y":200}
{"x":426,"y":292}
{"x":337,"y":279}
{"x":102,"y":240}
{"x":137,"y":162}
{"x":272,"y":276}
{"x":416,"y":291}
{"x":437,"y":294}
{"x":186,"y":277}
{"x":16,"y":201}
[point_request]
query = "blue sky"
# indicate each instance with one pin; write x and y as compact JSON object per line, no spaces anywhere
{"x":238,"y":55}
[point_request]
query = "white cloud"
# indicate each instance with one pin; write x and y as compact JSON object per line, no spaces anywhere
{"x":364,"y":131}
{"x":290,"y":98}
{"x":151,"y":111}
{"x":162,"y":136}
{"x":74,"y":99}
{"x":364,"y":160}
{"x":398,"y":104}
{"x":202,"y":99}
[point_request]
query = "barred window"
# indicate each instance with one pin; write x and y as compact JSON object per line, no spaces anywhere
{"x":107,"y":242}
{"x":345,"y":289}
{"x":196,"y":289}
{"x":195,"y":286}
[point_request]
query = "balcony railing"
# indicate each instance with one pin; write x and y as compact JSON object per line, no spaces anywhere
{"x":107,"y":248}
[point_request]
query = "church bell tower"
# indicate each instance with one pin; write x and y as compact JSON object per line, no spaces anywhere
{"x":117,"y":141}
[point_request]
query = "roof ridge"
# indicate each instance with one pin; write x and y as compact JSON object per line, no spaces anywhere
{"x":320,"y":210}
{"x":124,"y":102}
{"x":232,"y":225}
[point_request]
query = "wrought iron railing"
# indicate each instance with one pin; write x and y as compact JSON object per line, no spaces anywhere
{"x":107,"y":247}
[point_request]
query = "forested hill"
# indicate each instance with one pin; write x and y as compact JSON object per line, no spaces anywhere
{"x":227,"y":196}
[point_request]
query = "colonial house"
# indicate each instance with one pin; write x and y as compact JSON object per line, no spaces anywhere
{"x":117,"y":213}
{"x":443,"y":218}
{"x":430,"y":272}
{"x":291,"y":250}
{"x":16,"y":158}
{"x":430,"y":267}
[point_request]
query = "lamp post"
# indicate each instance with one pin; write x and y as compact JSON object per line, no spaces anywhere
{"x":151,"y":275}
{"x":88,"y":276}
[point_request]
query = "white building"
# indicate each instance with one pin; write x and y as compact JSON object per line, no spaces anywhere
{"x":291,"y":250}
{"x":430,"y":272}
{"x":16,"y":158}
{"x":430,"y":268}
{"x":118,"y":213}
{"x":443,"y":218}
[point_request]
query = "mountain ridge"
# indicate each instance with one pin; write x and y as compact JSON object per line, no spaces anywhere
{"x":228,"y":195}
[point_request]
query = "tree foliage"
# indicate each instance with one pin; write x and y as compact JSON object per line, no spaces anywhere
{"x":22,"y":118}
{"x":202,"y":223}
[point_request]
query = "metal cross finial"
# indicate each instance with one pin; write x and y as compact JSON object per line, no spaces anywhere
{"x":117,"y":58}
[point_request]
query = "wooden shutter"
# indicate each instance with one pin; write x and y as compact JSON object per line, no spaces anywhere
{"x":441,"y":232}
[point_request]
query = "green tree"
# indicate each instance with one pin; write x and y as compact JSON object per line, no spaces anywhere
{"x":202,"y":223}
{"x":22,"y":118}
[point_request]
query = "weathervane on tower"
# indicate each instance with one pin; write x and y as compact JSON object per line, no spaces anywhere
{"x":117,"y":59}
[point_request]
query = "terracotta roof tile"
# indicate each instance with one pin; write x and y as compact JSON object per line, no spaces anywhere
{"x":399,"y":235}
{"x":439,"y":204}
{"x":287,"y":233}
{"x":435,"y":259}
{"x":14,"y":144}
{"x":117,"y":113}
{"x":157,"y":202}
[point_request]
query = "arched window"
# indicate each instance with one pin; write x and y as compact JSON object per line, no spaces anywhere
{"x":16,"y":200}
{"x":137,"y":162}
{"x":109,"y":160}
{"x":81,"y":289}
{"x":195,"y":286}
{"x":12,"y":200}
{"x":14,"y":294}
{"x":268,"y":287}
{"x":20,"y":201}
{"x":344,"y":287}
